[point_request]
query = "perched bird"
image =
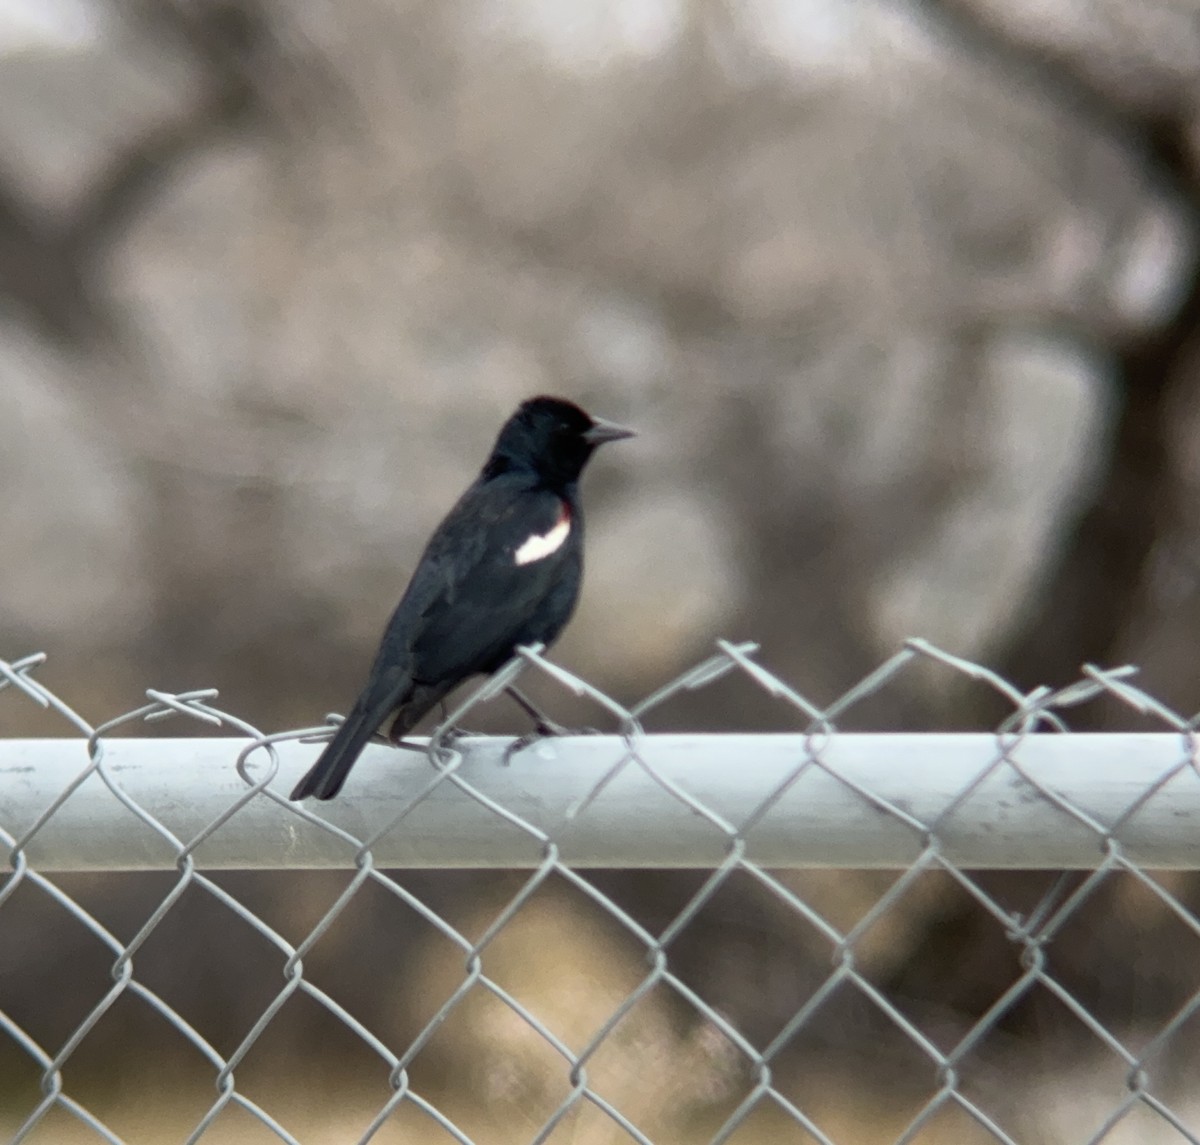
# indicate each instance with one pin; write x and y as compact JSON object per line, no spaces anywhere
{"x":502,"y":569}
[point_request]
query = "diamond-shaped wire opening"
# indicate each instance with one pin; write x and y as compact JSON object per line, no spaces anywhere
{"x":35,"y":922}
{"x":350,"y":1071}
{"x":553,"y":978}
{"x":55,"y":834}
{"x":134,"y":1061}
{"x":236,"y":972}
{"x":1130,"y":954}
{"x":473,"y":810}
{"x":817,"y":782}
{"x":750,"y":927}
{"x":363,"y":954}
{"x":121,"y":1015}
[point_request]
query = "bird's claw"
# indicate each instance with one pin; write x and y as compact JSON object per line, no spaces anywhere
{"x":448,"y":737}
{"x":544,"y":729}
{"x":519,"y":744}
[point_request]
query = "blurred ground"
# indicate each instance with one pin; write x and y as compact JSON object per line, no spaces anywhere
{"x":901,"y":296}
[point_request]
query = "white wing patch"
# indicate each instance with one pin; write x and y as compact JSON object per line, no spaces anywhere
{"x":541,"y":545}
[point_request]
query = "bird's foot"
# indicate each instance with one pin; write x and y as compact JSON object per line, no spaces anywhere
{"x":452,"y":735}
{"x":407,"y":745}
{"x":544,"y":729}
{"x":520,"y":744}
{"x":545,"y":726}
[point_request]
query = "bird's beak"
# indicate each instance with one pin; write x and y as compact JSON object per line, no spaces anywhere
{"x":603,"y":431}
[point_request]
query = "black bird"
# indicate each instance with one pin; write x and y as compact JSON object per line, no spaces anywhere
{"x":502,"y":569}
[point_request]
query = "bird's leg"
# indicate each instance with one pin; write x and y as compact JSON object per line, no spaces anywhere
{"x":543,"y":725}
{"x":445,"y":735}
{"x":396,"y":738}
{"x":450,"y":735}
{"x":519,"y":744}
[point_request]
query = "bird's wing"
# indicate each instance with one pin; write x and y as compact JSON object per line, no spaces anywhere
{"x":471,"y":598}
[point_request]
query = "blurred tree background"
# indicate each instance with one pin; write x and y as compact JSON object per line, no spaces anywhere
{"x":901,"y":296}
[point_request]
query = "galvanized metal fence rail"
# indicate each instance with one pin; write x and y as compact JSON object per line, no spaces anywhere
{"x":1098,"y":811}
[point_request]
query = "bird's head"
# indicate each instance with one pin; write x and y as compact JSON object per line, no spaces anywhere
{"x":551,"y":437}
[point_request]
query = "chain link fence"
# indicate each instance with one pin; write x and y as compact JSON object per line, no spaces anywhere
{"x":848,"y":937}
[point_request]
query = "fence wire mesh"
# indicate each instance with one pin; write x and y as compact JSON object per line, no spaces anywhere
{"x":935,"y":1001}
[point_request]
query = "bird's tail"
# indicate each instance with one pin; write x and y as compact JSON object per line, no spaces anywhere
{"x":326,"y":776}
{"x":408,"y":699}
{"x":385,"y":691}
